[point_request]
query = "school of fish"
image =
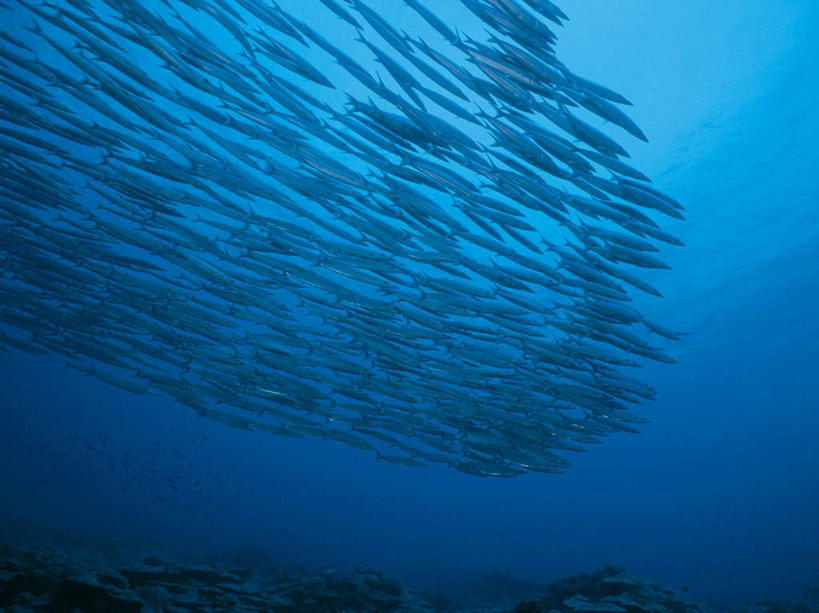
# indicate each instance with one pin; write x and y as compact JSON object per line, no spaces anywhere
{"x":313,"y":219}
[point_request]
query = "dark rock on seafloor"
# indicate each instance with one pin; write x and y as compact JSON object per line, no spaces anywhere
{"x":48,"y":580}
{"x":809,"y":604}
{"x":609,"y":590}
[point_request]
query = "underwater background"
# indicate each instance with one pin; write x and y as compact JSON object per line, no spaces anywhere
{"x":719,"y":492}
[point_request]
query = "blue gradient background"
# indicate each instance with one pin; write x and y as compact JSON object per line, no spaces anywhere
{"x":719,"y":493}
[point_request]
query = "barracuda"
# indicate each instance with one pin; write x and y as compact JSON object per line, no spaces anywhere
{"x":236,"y":207}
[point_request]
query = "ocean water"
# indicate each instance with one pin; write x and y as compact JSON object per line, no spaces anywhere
{"x":719,"y":492}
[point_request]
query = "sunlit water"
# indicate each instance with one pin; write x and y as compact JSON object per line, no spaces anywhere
{"x":720,"y":492}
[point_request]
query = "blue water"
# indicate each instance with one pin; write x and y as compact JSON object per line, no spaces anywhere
{"x":720,"y":492}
